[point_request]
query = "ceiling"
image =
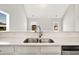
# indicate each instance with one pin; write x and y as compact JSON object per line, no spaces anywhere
{"x":45,"y":10}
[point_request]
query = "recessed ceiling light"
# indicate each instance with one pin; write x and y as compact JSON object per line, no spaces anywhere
{"x":43,"y":5}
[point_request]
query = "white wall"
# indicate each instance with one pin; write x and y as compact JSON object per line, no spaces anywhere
{"x":46,"y":24}
{"x":60,"y":37}
{"x":77,"y":17}
{"x":18,"y":20}
{"x":69,"y":19}
{"x":45,"y":15}
{"x":19,"y":12}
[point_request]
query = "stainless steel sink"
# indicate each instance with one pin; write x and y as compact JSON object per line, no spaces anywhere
{"x":31,"y":40}
{"x":46,"y":40}
{"x":38,"y":40}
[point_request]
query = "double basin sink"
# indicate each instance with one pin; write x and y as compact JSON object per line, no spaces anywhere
{"x":38,"y":40}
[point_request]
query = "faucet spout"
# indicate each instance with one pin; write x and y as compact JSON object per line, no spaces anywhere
{"x":40,"y":35}
{"x":40,"y":32}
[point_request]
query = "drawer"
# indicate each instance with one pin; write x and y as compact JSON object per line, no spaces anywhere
{"x":6,"y":49}
{"x":27,"y":50}
{"x":51,"y":50}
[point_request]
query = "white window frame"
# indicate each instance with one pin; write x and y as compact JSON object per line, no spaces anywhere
{"x":7,"y":20}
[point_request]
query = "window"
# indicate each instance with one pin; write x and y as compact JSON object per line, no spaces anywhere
{"x":4,"y":21}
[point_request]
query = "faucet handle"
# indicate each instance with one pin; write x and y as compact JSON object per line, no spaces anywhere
{"x":40,"y":35}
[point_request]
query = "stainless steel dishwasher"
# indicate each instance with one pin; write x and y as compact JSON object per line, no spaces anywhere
{"x":70,"y":50}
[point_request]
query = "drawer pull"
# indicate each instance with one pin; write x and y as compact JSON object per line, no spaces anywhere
{"x":0,"y":50}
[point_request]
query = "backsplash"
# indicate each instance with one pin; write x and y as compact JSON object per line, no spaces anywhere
{"x":19,"y":37}
{"x":46,"y":24}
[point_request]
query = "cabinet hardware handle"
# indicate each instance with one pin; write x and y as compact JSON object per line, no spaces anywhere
{"x":0,"y":50}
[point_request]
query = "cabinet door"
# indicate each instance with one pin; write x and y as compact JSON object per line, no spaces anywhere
{"x":51,"y":49}
{"x":27,"y":49}
{"x":6,"y":50}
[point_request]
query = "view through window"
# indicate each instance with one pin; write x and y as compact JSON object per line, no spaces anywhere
{"x":4,"y":21}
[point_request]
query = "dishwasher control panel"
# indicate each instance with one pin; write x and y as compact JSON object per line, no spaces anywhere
{"x":70,"y":50}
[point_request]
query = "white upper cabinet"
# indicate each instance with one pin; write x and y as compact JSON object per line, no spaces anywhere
{"x":45,"y":10}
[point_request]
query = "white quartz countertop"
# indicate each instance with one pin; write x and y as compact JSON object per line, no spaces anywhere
{"x":64,"y":42}
{"x":69,"y":43}
{"x":29,"y":44}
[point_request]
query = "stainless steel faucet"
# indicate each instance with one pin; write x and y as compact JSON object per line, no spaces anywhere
{"x":40,"y":32}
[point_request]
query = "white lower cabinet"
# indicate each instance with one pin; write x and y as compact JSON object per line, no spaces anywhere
{"x":6,"y":50}
{"x":47,"y":49}
{"x":27,"y":49}
{"x":30,"y":49}
{"x":51,"y":49}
